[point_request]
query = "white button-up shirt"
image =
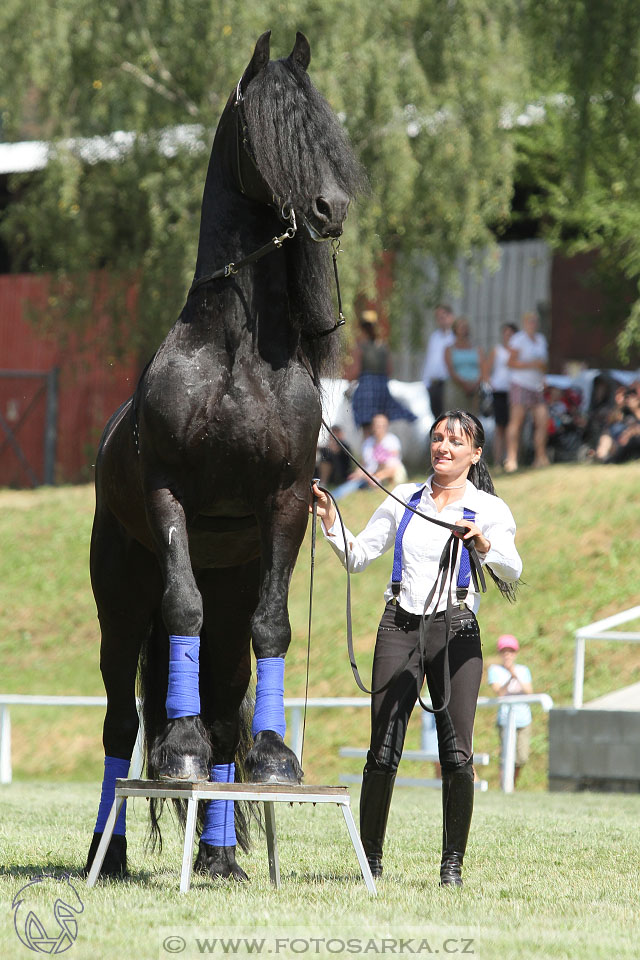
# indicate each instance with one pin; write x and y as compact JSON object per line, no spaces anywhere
{"x":423,"y":543}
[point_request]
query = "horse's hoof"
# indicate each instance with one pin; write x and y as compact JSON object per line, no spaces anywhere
{"x":218,"y":862}
{"x":271,"y":761}
{"x":115,"y":860}
{"x":181,"y":752}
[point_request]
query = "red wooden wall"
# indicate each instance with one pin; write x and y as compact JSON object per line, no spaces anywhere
{"x":92,"y":384}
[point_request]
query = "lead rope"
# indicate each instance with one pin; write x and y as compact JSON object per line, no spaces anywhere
{"x":314,"y":517}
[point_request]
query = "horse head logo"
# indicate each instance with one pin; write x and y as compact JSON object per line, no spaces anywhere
{"x":44,"y":914}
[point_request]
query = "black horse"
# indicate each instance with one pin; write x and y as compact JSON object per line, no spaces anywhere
{"x":203,"y":476}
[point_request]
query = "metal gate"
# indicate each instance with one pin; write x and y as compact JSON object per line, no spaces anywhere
{"x":28,"y":426}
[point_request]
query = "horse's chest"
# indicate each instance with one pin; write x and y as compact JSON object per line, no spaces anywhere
{"x":264,"y":419}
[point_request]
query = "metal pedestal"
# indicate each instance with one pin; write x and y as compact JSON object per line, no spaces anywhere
{"x":266,"y":793}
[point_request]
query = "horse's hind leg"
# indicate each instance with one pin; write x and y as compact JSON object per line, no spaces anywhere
{"x":127,"y":588}
{"x":181,"y":751}
{"x":230,"y":596}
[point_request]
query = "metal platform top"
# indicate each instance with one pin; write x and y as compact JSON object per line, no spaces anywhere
{"x":203,"y":789}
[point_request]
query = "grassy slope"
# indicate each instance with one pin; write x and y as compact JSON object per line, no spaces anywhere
{"x":546,"y":877}
{"x":577,"y":532}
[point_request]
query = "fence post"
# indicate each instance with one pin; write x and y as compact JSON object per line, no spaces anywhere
{"x":578,"y":673}
{"x":509,"y":751}
{"x":5,"y":744}
{"x":296,"y":731}
{"x":51,"y":426}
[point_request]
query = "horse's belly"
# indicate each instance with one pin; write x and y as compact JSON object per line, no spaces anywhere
{"x":223,"y":541}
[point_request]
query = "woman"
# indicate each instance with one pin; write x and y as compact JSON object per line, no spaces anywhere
{"x":498,"y":375}
{"x":528,"y":363}
{"x":465,"y":365}
{"x":458,"y":491}
{"x":372,"y":394}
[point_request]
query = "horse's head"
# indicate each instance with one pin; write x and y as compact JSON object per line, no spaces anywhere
{"x":292,"y":149}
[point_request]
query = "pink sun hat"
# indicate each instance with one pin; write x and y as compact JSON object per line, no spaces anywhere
{"x":508,"y":642}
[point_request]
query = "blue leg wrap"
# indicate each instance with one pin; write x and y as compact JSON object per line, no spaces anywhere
{"x":219,"y":828}
{"x":114,"y":769}
{"x":269,"y":709}
{"x":183,"y":692}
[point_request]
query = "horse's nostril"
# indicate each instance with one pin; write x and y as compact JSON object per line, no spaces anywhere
{"x":323,"y":208}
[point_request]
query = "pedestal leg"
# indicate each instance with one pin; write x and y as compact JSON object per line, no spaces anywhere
{"x":272,"y":843}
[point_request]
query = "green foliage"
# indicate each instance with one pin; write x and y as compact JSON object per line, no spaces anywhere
{"x":581,"y":163}
{"x":420,"y":85}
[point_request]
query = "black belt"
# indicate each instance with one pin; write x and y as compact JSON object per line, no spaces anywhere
{"x":411,"y":621}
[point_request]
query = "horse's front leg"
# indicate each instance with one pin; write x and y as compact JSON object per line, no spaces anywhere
{"x":282,"y":529}
{"x":181,"y":749}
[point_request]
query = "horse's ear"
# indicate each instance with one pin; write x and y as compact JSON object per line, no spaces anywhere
{"x":301,"y":52}
{"x":259,"y":60}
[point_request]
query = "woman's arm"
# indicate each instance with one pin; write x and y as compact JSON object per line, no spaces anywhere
{"x":375,"y":539}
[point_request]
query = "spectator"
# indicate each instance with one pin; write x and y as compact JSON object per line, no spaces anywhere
{"x":566,"y":423}
{"x":508,"y":679}
{"x":465,"y":364}
{"x":334,"y":463}
{"x":498,"y":375}
{"x":372,"y":395}
{"x":434,"y":371}
{"x":381,"y":456}
{"x":600,"y":404}
{"x":626,"y":445}
{"x":615,"y":424}
{"x":528,"y":363}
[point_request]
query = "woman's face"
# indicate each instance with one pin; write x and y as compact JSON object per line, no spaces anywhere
{"x":452,"y":450}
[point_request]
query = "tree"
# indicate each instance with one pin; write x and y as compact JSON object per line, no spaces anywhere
{"x":580,"y":164}
{"x":420,"y":85}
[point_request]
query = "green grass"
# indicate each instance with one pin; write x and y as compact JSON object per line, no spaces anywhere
{"x":577,"y":533}
{"x":546,"y":876}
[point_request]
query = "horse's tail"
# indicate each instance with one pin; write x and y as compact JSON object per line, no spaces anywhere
{"x":153,"y":679}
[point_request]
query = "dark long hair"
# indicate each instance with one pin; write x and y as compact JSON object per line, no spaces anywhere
{"x":478,"y":473}
{"x":296,"y":139}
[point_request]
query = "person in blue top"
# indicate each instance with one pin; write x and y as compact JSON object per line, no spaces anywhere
{"x":428,"y":627}
{"x":506,"y":680}
{"x":465,"y":364}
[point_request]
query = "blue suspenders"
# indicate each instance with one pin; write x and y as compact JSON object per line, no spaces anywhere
{"x":464,"y":570}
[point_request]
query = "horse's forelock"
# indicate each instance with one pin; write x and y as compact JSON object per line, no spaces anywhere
{"x":295,"y":136}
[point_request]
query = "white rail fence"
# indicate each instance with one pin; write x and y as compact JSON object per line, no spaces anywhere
{"x":295,"y":705}
{"x":600,"y":630}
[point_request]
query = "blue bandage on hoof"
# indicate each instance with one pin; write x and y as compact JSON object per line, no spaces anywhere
{"x":114,"y":769}
{"x":183,"y":691}
{"x":269,"y":709}
{"x":219,"y":827}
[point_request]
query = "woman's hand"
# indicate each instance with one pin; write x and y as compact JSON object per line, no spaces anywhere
{"x":326,"y":509}
{"x":474,"y":533}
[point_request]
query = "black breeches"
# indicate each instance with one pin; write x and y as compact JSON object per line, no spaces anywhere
{"x":391,"y":709}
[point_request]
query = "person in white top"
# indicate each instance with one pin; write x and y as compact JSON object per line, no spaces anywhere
{"x":528,"y":363}
{"x":459,"y":491}
{"x":498,"y":376}
{"x":382,"y":457}
{"x":435,"y":372}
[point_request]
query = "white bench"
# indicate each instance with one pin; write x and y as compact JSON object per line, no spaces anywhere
{"x":266,"y":793}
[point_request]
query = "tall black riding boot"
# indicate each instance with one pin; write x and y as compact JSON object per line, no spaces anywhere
{"x":375,"y":800}
{"x":457,"y":807}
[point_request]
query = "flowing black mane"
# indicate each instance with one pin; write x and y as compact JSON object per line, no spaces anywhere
{"x":295,"y":139}
{"x":295,"y":136}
